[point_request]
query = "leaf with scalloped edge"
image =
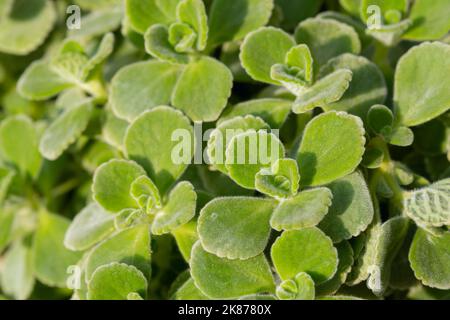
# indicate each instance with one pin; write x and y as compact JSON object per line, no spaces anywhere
{"x":249,"y":152}
{"x":203,"y":89}
{"x":352,"y":209}
{"x":421,"y":93}
{"x":429,"y":206}
{"x":304,"y":210}
{"x":146,"y":194}
{"x":104,"y":50}
{"x":280,"y":181}
{"x":152,"y":141}
{"x":307,"y":250}
{"x":179,"y":209}
{"x":193,"y":13}
{"x":158,"y":45}
{"x":116,"y":281}
{"x":328,"y":137}
{"x":275,"y":43}
{"x":26,"y":25}
{"x":142,"y":14}
{"x":152,"y":82}
{"x":221,"y":278}
{"x":112,"y":183}
{"x":235,"y":228}
{"x":301,"y":287}
{"x":65,"y":130}
{"x":391,"y":34}
{"x":430,"y":260}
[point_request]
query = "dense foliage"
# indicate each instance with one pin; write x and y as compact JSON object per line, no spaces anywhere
{"x":225,"y":149}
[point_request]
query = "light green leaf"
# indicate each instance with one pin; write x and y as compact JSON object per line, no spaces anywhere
{"x":51,"y":269}
{"x":112,"y":183}
{"x":366,"y":89}
{"x":324,"y":92}
{"x":142,"y":86}
{"x":429,"y":206}
{"x":8,"y":212}
{"x":6,"y":178}
{"x":294,"y":11}
{"x":113,"y":130}
{"x":327,"y":39}
{"x":26,"y":25}
{"x":130,"y":246}
{"x":272,"y":111}
{"x":203,"y":89}
{"x":280,"y":181}
{"x":221,"y":278}
{"x":116,"y":281}
{"x":352,"y":209}
{"x":158,"y":45}
{"x":235,"y":228}
{"x":193,"y":13}
{"x":380,"y":119}
{"x":104,"y":50}
{"x":275,"y":43}
{"x":390,"y":35}
{"x":400,"y":7}
{"x":420,"y":92}
{"x":152,"y":141}
{"x":308,"y":250}
{"x":17,"y":276}
{"x":98,"y":23}
{"x":232,"y":20}
{"x":146,"y":194}
{"x":19,"y":144}
{"x":248,"y":153}
{"x":430,"y":260}
{"x":304,"y":210}
{"x":189,"y":291}
{"x":142,"y":14}
{"x":221,"y":137}
{"x":351,"y":6}
{"x":299,"y":288}
{"x":65,"y":130}
{"x":330,"y":136}
{"x":179,"y":209}
{"x":186,"y":236}
{"x":401,"y":136}
{"x":89,"y":227}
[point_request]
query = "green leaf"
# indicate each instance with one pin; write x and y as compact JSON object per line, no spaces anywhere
{"x":51,"y":269}
{"x":151,"y":140}
{"x":186,"y":236}
{"x":430,"y":20}
{"x":130,"y":246}
{"x":193,"y":13}
{"x":151,"y":81}
{"x":380,"y":120}
{"x":327,"y":39}
{"x":231,"y":21}
{"x":40,"y":82}
{"x":179,"y":209}
{"x":294,"y":11}
{"x":272,"y":111}
{"x":390,"y":35}
{"x":429,"y":259}
{"x":235,"y":228}
{"x":19,"y":144}
{"x":26,"y":25}
{"x":113,"y":130}
{"x":308,"y":250}
{"x":351,"y":6}
{"x":299,"y":288}
{"x":429,"y":206}
{"x":89,"y":227}
{"x":203,"y":89}
{"x":221,"y":278}
{"x":330,"y":136}
{"x":352,"y":209}
{"x":112,"y":183}
{"x":17,"y":275}
{"x":7,"y":217}
{"x":189,"y":291}
{"x":158,"y":45}
{"x":324,"y":92}
{"x":400,"y":6}
{"x":146,"y":194}
{"x":275,"y":43}
{"x":142,"y":14}
{"x":65,"y":130}
{"x":280,"y":181}
{"x":401,"y":136}
{"x":221,"y":137}
{"x":116,"y":281}
{"x":104,"y":50}
{"x":366,"y":89}
{"x":248,"y":153}
{"x":420,"y":92}
{"x":6,"y":178}
{"x":98,"y":23}
{"x":304,"y":210}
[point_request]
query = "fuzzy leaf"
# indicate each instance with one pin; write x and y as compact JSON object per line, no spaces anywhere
{"x":235,"y":228}
{"x":380,"y":119}
{"x":193,"y":13}
{"x":203,"y":89}
{"x":420,"y":92}
{"x":186,"y":236}
{"x":116,"y":281}
{"x":146,"y":194}
{"x":280,"y":181}
{"x":151,"y":141}
{"x":221,"y":278}
{"x":142,"y":14}
{"x":330,"y":136}
{"x":299,"y":288}
{"x":308,"y":250}
{"x":304,"y":210}
{"x":189,"y":291}
{"x":158,"y":45}
{"x":98,"y":22}
{"x":152,"y":82}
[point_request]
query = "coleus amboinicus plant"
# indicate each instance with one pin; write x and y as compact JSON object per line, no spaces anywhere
{"x":354,"y":188}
